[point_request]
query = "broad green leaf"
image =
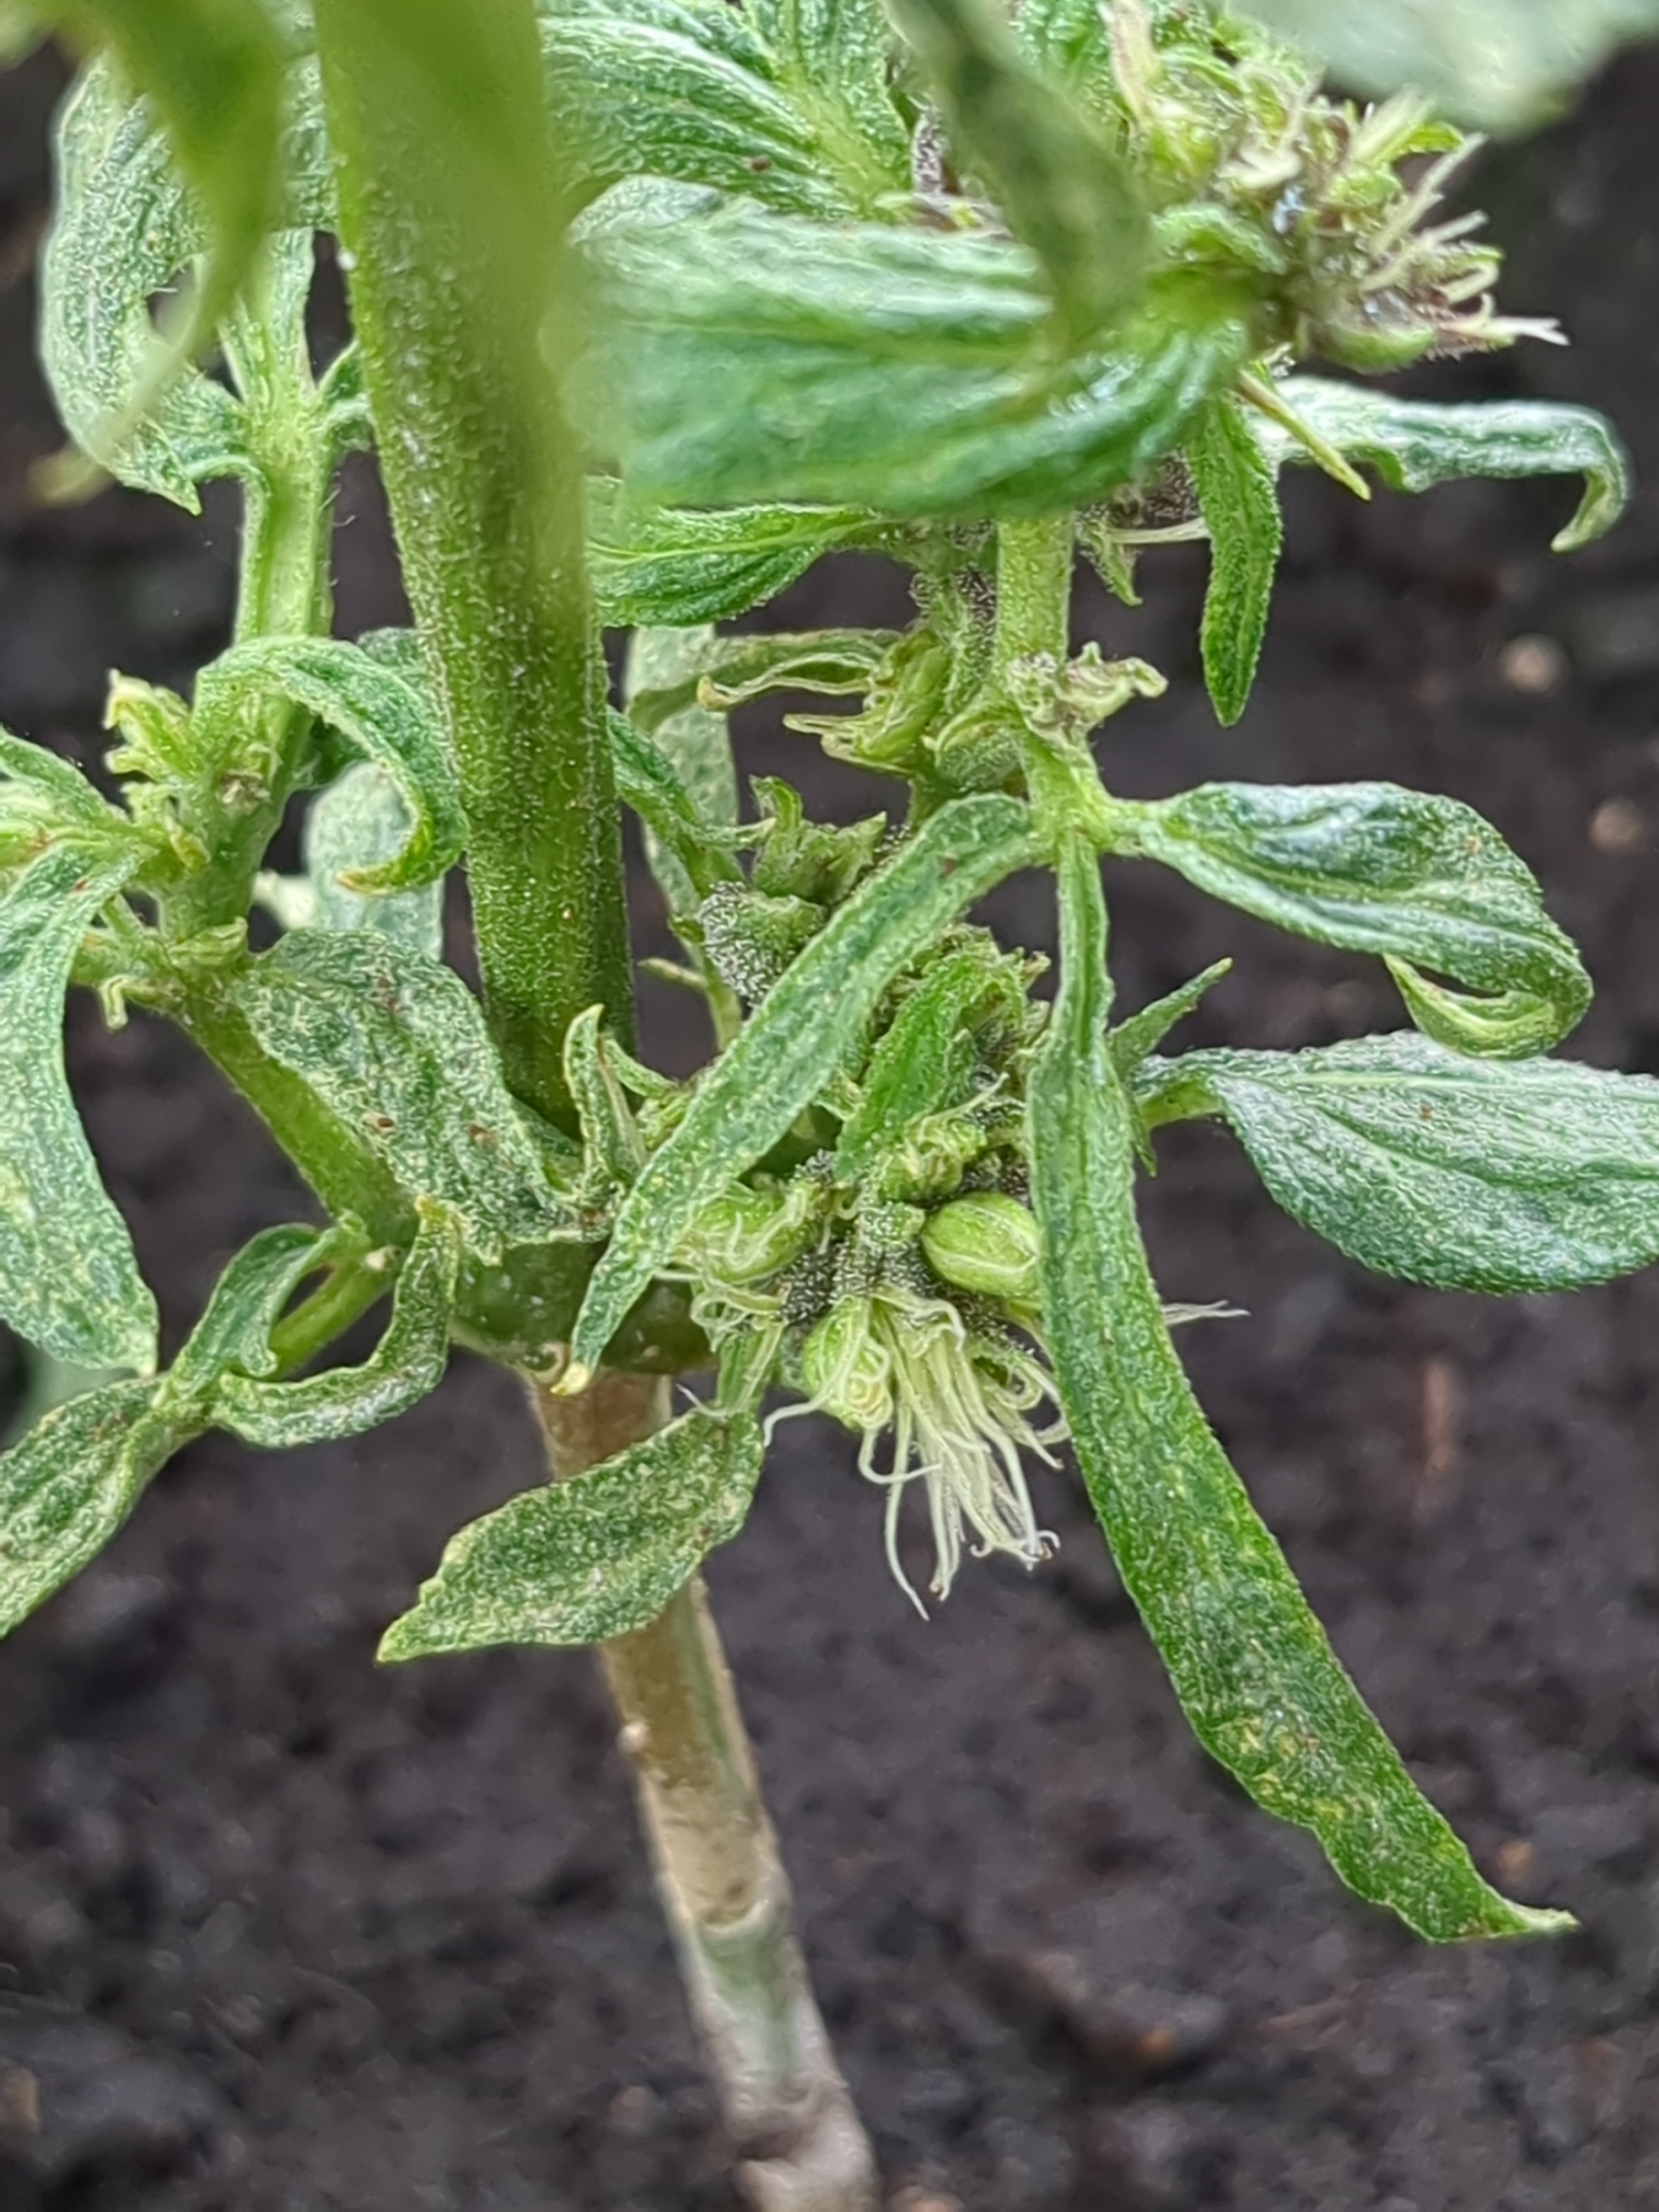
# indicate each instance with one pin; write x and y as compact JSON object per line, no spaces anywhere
{"x":1471,"y":1175}
{"x":1414,"y":444}
{"x":834,"y":58}
{"x":738,"y":357}
{"x":123,"y":226}
{"x":1500,"y":65}
{"x":1240,"y":501}
{"x":594,"y":1556}
{"x":795,"y":1041}
{"x":696,"y":744}
{"x":629,"y":98}
{"x":214,"y":71}
{"x":69,"y":1483}
{"x":44,"y":797}
{"x":396,"y":1045}
{"x":1067,"y":192}
{"x":1251,"y":1665}
{"x":68,"y":1277}
{"x":360,"y":823}
{"x":381,"y":711}
{"x":405,"y":1366}
{"x":678,"y":567}
{"x":1422,"y":881}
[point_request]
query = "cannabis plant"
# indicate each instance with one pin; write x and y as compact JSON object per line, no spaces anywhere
{"x":654,"y":302}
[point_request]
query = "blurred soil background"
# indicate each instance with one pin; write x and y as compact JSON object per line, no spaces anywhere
{"x":280,"y":1932}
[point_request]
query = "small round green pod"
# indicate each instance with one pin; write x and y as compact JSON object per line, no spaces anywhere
{"x":847,"y":1370}
{"x":985,"y":1242}
{"x":746,"y":1236}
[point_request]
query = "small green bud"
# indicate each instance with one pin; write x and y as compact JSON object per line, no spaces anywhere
{"x":747,"y":1235}
{"x":985,"y":1242}
{"x":847,"y":1370}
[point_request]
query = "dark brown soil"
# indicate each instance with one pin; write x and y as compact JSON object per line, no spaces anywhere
{"x":280,"y":1932}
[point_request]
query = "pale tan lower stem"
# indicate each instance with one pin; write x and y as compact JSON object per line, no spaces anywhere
{"x":800,"y":2144}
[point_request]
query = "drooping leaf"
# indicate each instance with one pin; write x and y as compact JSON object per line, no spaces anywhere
{"x":67,"y":1486}
{"x":1422,"y":881}
{"x":632,"y":98}
{"x":1251,"y":1665}
{"x":1471,"y":1175}
{"x":361,"y":822}
{"x":405,"y":1366}
{"x":68,"y":1277}
{"x":396,"y":1045}
{"x":833,"y":59}
{"x":737,"y":357}
{"x":213,"y":71}
{"x":794,"y":1042}
{"x":678,"y":567}
{"x":696,"y":744}
{"x":123,"y":227}
{"x":1415,"y":444}
{"x":381,"y":709}
{"x":234,"y":1334}
{"x":1499,"y":65}
{"x":1063,"y":188}
{"x":646,"y":782}
{"x":1240,"y":501}
{"x":594,"y":1557}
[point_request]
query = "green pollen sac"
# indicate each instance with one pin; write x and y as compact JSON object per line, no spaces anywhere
{"x":847,"y":1370}
{"x":747,"y":1236}
{"x":988,"y":1243}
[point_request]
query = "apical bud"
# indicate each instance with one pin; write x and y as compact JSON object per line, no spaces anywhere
{"x":985,"y":1242}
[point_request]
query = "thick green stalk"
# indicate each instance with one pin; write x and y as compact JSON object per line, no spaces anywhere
{"x":1033,"y":589}
{"x":449,"y":196}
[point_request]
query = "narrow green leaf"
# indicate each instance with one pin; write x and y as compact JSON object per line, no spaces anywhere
{"x":405,"y":1366}
{"x":1501,"y":65}
{"x":1471,"y":1175}
{"x":595,"y":1557}
{"x":835,"y":59}
{"x":234,"y":1334}
{"x":357,"y":826}
{"x":646,"y":782}
{"x":1240,"y":501}
{"x":1422,"y":881}
{"x":381,"y":710}
{"x":1415,"y":444}
{"x":1063,"y":188}
{"x":794,"y":1042}
{"x":696,"y":745}
{"x":1142,"y":1033}
{"x":737,"y":357}
{"x":925,"y":1062}
{"x":68,"y":1484}
{"x":678,"y":567}
{"x":68,"y":1277}
{"x":396,"y":1045}
{"x":1251,"y":1663}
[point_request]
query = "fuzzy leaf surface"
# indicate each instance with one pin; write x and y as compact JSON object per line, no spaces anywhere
{"x":67,"y":1485}
{"x":360,"y":823}
{"x":1415,"y":444}
{"x":68,"y":1279}
{"x":1423,"y":881}
{"x":396,"y":1045}
{"x":382,"y":711}
{"x":646,"y":782}
{"x":795,"y":1040}
{"x":1240,"y":501}
{"x":738,"y":357}
{"x":1252,"y":1666}
{"x":406,"y":1365}
{"x":594,"y":1556}
{"x":696,"y":745}
{"x":677,"y":567}
{"x":835,"y":59}
{"x":234,"y":1334}
{"x":1470,"y":1175}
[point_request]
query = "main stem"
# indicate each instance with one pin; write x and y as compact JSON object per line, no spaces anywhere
{"x":800,"y":2144}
